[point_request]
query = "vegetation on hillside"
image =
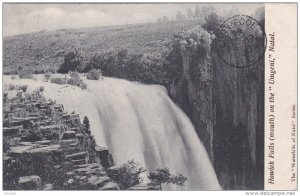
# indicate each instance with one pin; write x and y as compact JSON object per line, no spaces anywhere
{"x":44,"y":51}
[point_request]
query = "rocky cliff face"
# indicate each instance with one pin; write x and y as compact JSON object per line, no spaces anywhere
{"x":46,"y":148}
{"x":226,"y":106}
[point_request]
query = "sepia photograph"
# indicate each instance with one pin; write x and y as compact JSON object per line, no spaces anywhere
{"x":133,"y":96}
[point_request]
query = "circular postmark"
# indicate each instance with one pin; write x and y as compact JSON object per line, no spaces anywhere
{"x":241,"y":41}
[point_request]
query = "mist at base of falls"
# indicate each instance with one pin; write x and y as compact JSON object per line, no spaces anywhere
{"x":140,"y":122}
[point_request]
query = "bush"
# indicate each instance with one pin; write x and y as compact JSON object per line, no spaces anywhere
{"x":11,"y":87}
{"x":25,"y":75}
{"x":47,"y":76}
{"x":32,"y":136}
{"x":164,"y":176}
{"x":94,"y":74}
{"x":5,"y":97}
{"x":73,"y":61}
{"x":126,"y":175}
{"x":13,"y":77}
{"x":83,"y":86}
{"x":42,"y":89}
{"x":58,"y":80}
{"x":74,"y":74}
{"x":22,"y":87}
{"x":76,"y":81}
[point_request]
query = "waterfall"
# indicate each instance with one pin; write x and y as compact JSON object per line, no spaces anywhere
{"x":140,"y":122}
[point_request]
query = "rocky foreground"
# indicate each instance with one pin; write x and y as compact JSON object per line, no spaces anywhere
{"x":46,"y":148}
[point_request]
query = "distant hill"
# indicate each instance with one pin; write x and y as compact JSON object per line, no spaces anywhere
{"x":45,"y":49}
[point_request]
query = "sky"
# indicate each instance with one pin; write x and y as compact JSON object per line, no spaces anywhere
{"x":25,"y":18}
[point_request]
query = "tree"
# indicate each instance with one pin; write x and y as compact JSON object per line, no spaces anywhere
{"x":197,"y":12}
{"x":94,"y":74}
{"x":212,"y":22}
{"x":72,"y":62}
{"x":190,"y":14}
{"x":126,"y":175}
{"x":164,"y":176}
{"x":86,"y":124}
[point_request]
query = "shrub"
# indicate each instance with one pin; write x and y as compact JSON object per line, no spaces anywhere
{"x":42,"y":89}
{"x":11,"y":87}
{"x":32,"y":136}
{"x":19,"y":94}
{"x":94,"y":74}
{"x":164,"y":176}
{"x":126,"y":175}
{"x":86,"y":124}
{"x":25,"y":75}
{"x":58,"y":80}
{"x":5,"y":97}
{"x":52,"y":135}
{"x":83,"y":86}
{"x":73,"y":61}
{"x":47,"y":76}
{"x":13,"y":77}
{"x":76,"y":81}
{"x":74,"y":74}
{"x":22,"y":87}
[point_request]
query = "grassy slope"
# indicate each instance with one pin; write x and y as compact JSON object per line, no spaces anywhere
{"x":46,"y":49}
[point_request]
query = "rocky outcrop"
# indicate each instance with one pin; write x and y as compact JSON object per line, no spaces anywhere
{"x":46,"y":148}
{"x":30,"y":183}
{"x":226,"y":106}
{"x":104,"y":157}
{"x":90,"y":176}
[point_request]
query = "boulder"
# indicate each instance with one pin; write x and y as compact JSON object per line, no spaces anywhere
{"x":49,"y":128}
{"x":72,"y":120}
{"x":30,"y":183}
{"x":34,"y":149}
{"x":98,"y":181}
{"x":67,"y":135}
{"x":25,"y":122}
{"x":90,"y":165}
{"x":28,"y":144}
{"x":44,"y":142}
{"x":16,"y":150}
{"x":11,"y":131}
{"x":48,"y":187}
{"x":110,"y":186}
{"x":31,"y":136}
{"x":77,"y":156}
{"x":103,"y":157}
{"x":88,"y":169}
{"x":58,"y":107}
{"x":79,"y":136}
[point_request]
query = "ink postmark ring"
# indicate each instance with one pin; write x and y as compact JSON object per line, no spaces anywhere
{"x":241,"y":41}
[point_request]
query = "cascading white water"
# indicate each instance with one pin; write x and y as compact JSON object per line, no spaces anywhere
{"x":140,"y":122}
